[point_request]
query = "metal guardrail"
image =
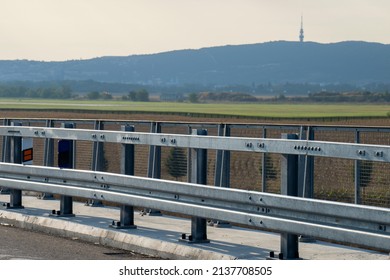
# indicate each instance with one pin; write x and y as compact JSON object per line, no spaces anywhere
{"x":355,"y":224}
{"x":351,"y":180}
{"x":378,"y":153}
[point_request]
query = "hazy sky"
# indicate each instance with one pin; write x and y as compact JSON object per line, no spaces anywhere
{"x":74,"y":29}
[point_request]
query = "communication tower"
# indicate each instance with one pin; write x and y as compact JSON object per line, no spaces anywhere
{"x":301,"y":36}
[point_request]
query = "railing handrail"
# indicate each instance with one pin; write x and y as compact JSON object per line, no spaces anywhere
{"x":353,"y":151}
{"x":205,"y":124}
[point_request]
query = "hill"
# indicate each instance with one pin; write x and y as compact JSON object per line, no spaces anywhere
{"x":350,"y":62}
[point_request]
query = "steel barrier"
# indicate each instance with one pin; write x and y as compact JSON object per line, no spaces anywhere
{"x":286,"y":213}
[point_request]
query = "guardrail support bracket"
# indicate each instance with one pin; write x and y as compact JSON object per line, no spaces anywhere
{"x":126,"y":220}
{"x":198,"y":176}
{"x":289,"y":186}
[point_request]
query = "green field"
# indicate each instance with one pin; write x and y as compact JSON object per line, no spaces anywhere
{"x":239,"y":109}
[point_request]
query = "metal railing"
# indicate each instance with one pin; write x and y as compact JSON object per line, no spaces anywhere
{"x":352,"y":181}
{"x":288,"y":213}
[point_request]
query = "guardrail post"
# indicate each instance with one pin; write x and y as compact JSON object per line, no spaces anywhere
{"x":222,"y":164}
{"x":306,"y":174}
{"x":198,"y":176}
{"x":222,"y":170}
{"x":154,"y":165}
{"x":66,"y":159}
{"x":97,"y":160}
{"x":306,"y":167}
{"x":6,"y":154}
{"x":289,"y":186}
{"x":16,"y":157}
{"x":48,"y":157}
{"x":357,"y":173}
{"x":264,"y":166}
{"x":127,"y":167}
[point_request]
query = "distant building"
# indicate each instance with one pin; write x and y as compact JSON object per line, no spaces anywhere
{"x":301,"y":36}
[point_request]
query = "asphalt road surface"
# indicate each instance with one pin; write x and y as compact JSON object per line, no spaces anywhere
{"x":16,"y":243}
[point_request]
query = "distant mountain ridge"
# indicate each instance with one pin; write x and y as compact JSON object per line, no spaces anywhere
{"x":352,"y":62}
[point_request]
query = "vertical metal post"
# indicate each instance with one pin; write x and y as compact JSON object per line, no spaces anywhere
{"x":222,"y":170}
{"x":97,"y":150}
{"x":48,"y":157}
{"x":302,"y":160}
{"x":154,"y":165}
{"x":309,"y":178}
{"x":199,"y":176}
{"x":189,"y":159}
{"x":16,"y":157}
{"x":306,"y":167}
{"x":222,"y":162}
{"x":264,"y":166}
{"x":66,"y":202}
{"x":357,"y":173}
{"x":6,"y":153}
{"x":218,"y":173}
{"x":306,"y":174}
{"x":98,"y":163}
{"x":127,"y":167}
{"x":289,"y":186}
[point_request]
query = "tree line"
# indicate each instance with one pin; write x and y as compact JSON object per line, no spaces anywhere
{"x":54,"y":92}
{"x":64,"y":92}
{"x":141,"y":95}
{"x":321,"y":97}
{"x":334,"y":97}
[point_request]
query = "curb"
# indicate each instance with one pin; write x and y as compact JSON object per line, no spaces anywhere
{"x":109,"y":237}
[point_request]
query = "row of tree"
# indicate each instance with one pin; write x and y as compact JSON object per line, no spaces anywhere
{"x":321,"y":97}
{"x":365,"y":96}
{"x":333,"y":97}
{"x":64,"y":91}
{"x":94,"y":95}
{"x":269,"y":89}
{"x":56,"y":92}
{"x":137,"y":95}
{"x":141,"y":95}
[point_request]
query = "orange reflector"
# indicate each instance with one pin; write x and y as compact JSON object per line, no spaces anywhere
{"x":28,"y":155}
